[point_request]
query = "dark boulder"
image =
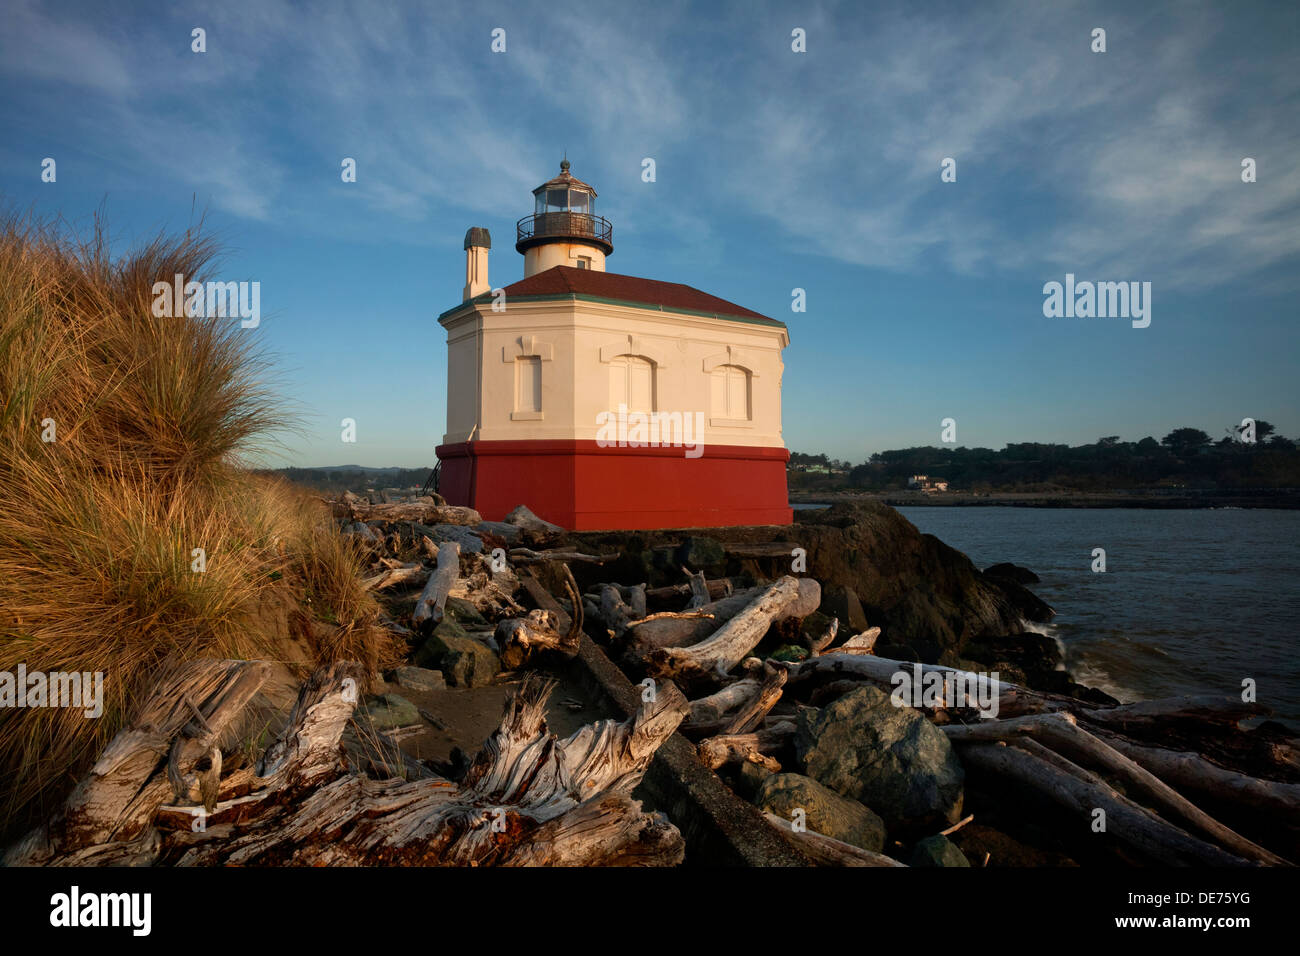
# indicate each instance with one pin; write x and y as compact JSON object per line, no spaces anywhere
{"x":825,"y":811}
{"x":888,"y":758}
{"x":937,"y":850}
{"x":698,"y":552}
{"x":843,"y":603}
{"x":464,"y":662}
{"x":1012,"y":572}
{"x":1026,"y":603}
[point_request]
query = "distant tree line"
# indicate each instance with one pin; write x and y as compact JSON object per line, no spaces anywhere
{"x":1184,"y":458}
{"x":355,"y":480}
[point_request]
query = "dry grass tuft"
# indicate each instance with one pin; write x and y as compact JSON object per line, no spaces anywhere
{"x":98,"y":528}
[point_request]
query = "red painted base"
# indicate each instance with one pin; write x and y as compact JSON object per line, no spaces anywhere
{"x":584,"y":487}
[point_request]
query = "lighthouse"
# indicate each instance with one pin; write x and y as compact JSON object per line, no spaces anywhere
{"x":605,"y":401}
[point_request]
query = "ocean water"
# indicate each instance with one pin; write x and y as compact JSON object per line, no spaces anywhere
{"x":1191,"y":602}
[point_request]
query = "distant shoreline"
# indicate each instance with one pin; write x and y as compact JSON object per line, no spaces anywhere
{"x":1286,"y":500}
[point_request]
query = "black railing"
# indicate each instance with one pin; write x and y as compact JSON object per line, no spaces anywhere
{"x":431,"y":484}
{"x":579,"y":225}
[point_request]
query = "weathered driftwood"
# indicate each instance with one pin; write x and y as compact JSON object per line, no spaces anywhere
{"x":708,"y":714}
{"x":816,"y":645}
{"x":828,"y":851}
{"x":752,"y":712}
{"x":765,"y":549}
{"x":716,"y":752}
{"x":529,"y":556}
{"x":433,"y":598}
{"x":643,"y":638}
{"x":1196,"y":774}
{"x":733,"y":641}
{"x":673,"y":615}
{"x":424,"y":510}
{"x":863,"y":643}
{"x":1061,"y":733}
{"x":413,"y":573}
{"x":718,"y":589}
{"x":519,"y":639}
{"x":1013,"y":700}
{"x":535,"y":528}
{"x":618,"y":606}
{"x":528,"y":798}
{"x":699,"y":589}
{"x":1081,"y":793}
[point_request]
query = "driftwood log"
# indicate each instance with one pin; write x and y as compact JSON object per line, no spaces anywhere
{"x":424,"y":510}
{"x":643,"y":638}
{"x":828,"y":851}
{"x":413,"y":573}
{"x":529,"y":798}
{"x":1061,"y":733}
{"x":709,"y":714}
{"x":1082,"y":794}
{"x":433,"y":598}
{"x":521,"y":638}
{"x":725,"y":649}
{"x":717,"y":752}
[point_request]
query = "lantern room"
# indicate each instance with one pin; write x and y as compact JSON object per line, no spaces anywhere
{"x":564,"y":229}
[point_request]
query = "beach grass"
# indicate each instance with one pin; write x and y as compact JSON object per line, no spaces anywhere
{"x":132,"y":536}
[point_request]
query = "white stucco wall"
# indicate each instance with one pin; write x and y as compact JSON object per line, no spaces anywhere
{"x":575,"y":344}
{"x":550,"y":254}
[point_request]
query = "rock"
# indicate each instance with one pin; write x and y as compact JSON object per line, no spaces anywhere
{"x":697,"y":553}
{"x":937,"y":850}
{"x":828,"y":813}
{"x":1032,"y":653}
{"x":975,"y":840}
{"x":897,"y":652}
{"x":1012,"y":572}
{"x":749,"y":777}
{"x":815,"y":624}
{"x":843,"y":603}
{"x":1028,"y":604}
{"x":464,"y":662}
{"x":524,"y":519}
{"x":392,"y":710}
{"x":364,"y":532}
{"x":465,"y":613}
{"x":889,"y":758}
{"x":419,"y":679}
{"x":790,"y":652}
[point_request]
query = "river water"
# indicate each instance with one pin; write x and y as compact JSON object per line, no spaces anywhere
{"x":1191,"y":601}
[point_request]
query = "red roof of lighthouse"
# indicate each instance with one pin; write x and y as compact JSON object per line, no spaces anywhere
{"x":670,"y":296}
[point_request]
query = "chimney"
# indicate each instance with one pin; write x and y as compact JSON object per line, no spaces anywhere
{"x":477,"y":244}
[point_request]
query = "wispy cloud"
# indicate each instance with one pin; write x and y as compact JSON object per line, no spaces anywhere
{"x":1120,"y":162}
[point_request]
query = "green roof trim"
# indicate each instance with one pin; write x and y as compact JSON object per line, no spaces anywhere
{"x":486,"y":297}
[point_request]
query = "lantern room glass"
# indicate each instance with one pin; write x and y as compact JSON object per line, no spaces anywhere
{"x":565,"y":200}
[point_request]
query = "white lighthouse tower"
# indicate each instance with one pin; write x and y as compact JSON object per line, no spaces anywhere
{"x":564,"y":229}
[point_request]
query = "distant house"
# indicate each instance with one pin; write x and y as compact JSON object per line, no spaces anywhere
{"x":926,"y":483}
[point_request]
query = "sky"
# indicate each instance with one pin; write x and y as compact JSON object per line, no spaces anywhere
{"x":775,"y":170}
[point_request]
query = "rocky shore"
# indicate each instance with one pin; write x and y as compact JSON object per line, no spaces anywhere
{"x":840,"y":691}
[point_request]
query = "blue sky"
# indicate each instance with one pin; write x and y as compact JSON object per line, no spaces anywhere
{"x":775,"y":170}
